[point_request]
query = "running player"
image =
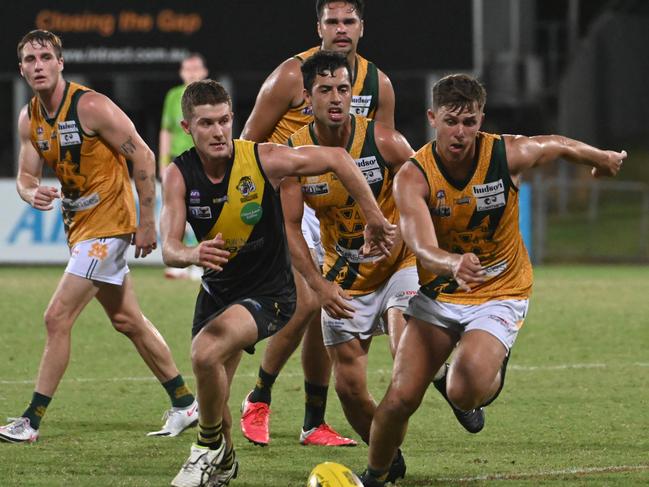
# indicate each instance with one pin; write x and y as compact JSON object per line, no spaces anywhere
{"x":227,"y":190}
{"x":459,"y":194}
{"x":361,"y":297}
{"x":85,"y":138}
{"x":280,"y":110}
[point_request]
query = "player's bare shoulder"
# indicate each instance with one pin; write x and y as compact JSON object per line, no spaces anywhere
{"x":392,"y":145}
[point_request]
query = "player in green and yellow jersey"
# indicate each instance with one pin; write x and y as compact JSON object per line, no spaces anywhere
{"x":458,"y":198}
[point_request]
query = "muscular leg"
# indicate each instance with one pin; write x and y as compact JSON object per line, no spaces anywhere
{"x":124,"y":312}
{"x":350,"y":375}
{"x":315,"y":359}
{"x":215,"y":353}
{"x":474,"y":374}
{"x":71,"y":296}
{"x":423,"y":348}
{"x":396,"y":325}
{"x":282,"y":345}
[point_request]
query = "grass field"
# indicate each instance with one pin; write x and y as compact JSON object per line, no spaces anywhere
{"x":575,"y":410}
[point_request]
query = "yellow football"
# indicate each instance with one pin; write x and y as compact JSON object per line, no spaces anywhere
{"x":330,"y":474}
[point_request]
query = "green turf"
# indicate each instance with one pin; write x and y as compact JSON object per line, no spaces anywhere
{"x":576,"y":396}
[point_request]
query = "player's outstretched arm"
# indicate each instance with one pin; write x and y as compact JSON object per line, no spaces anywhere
{"x":208,"y":253}
{"x":282,"y":161}
{"x":99,"y":115}
{"x":527,"y":152}
{"x":332,"y":297}
{"x":281,"y":90}
{"x":410,"y":193}
{"x":30,"y":169}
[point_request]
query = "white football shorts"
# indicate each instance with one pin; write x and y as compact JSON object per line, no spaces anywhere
{"x":100,"y":259}
{"x":370,"y":308}
{"x":501,"y":319}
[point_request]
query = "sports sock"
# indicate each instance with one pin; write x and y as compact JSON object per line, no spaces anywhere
{"x":261,"y":392}
{"x":179,"y":393}
{"x":377,"y":474}
{"x":228,"y":458}
{"x":315,"y":405}
{"x":36,"y":409}
{"x":210,"y":436}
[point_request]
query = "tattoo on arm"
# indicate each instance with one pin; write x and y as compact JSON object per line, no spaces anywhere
{"x":128,"y":147}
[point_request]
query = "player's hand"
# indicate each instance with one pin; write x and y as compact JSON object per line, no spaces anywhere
{"x":211,"y":254}
{"x":379,"y":237}
{"x":145,"y":239}
{"x":334,"y":300}
{"x":610,"y":165}
{"x":467,"y":270}
{"x":44,"y":196}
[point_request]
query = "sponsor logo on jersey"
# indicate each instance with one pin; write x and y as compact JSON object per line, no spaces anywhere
{"x":200,"y":212}
{"x":490,"y":195}
{"x":353,"y":256}
{"x":194,"y":197}
{"x":360,"y":105}
{"x":251,"y":213}
{"x":68,"y":133}
{"x":441,"y":209}
{"x":307,"y":110}
{"x":496,"y":269}
{"x":314,"y":189}
{"x":82,"y":203}
{"x":370,"y":168}
{"x":247,"y":188}
{"x":464,"y":200}
{"x":222,"y":199}
{"x":43,"y":145}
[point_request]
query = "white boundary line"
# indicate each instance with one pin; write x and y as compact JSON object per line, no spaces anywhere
{"x":519,"y":368}
{"x":549,"y":473}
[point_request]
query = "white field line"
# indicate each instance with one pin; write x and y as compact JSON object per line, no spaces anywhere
{"x":514,"y":367}
{"x":549,"y":473}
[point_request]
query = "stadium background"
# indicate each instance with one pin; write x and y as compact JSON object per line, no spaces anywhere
{"x":559,"y":66}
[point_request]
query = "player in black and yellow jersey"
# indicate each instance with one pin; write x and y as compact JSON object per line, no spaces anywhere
{"x":280,"y":110}
{"x":458,"y":198}
{"x":227,"y":190}
{"x":85,"y":138}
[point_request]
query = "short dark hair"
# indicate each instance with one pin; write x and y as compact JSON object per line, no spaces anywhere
{"x":358,"y":5}
{"x":458,"y":91}
{"x":41,"y":37}
{"x":323,"y":63}
{"x":204,"y":92}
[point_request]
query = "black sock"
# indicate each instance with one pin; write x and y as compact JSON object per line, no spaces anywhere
{"x":228,"y":458}
{"x":36,"y":409}
{"x":179,"y":393}
{"x":315,"y":405}
{"x":261,"y":392}
{"x":210,"y":436}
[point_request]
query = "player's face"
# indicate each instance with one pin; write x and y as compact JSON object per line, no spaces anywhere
{"x":456,"y":131}
{"x":192,"y":69}
{"x":340,"y":28}
{"x":211,"y":130}
{"x":40,"y":67}
{"x":330,"y":98}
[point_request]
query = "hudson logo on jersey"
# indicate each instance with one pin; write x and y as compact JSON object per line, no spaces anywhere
{"x":490,"y":195}
{"x":314,"y":189}
{"x":69,"y":133}
{"x":370,"y":168}
{"x":360,"y":105}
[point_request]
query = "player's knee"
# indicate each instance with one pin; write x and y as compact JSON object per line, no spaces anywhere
{"x":56,"y":320}
{"x":463,"y":394}
{"x":206,"y":356}
{"x":125,"y":324}
{"x":350,"y":389}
